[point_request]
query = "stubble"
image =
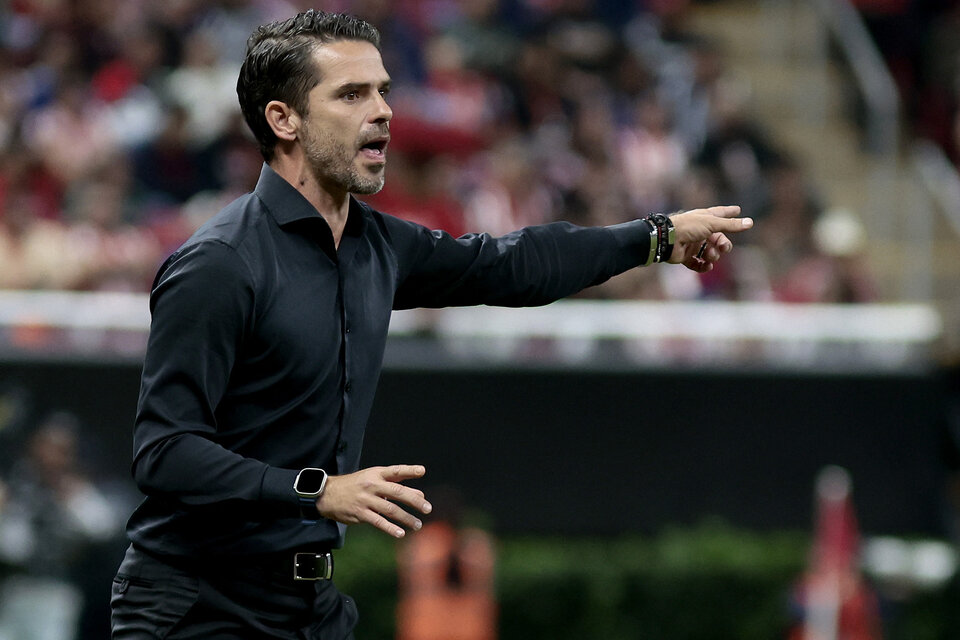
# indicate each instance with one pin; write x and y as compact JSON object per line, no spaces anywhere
{"x":332,"y":163}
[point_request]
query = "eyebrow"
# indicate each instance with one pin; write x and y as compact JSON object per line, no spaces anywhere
{"x":356,"y":86}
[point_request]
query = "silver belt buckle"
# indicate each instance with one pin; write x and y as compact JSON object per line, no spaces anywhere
{"x":312,"y":566}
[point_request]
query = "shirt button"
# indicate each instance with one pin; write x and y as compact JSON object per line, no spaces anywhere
{"x":341,"y":447}
{"x":348,"y":329}
{"x":347,"y":387}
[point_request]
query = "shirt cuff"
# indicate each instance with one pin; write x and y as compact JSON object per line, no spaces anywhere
{"x":634,"y":240}
{"x":277,"y":486}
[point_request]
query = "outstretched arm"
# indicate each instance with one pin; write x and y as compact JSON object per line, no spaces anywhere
{"x":540,"y":264}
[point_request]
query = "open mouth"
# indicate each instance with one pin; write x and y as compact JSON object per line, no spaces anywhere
{"x":375,"y":149}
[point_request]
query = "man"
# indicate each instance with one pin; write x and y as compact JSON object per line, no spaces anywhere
{"x":267,"y":339}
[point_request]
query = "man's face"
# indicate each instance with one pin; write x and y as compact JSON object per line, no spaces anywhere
{"x":346,"y":131}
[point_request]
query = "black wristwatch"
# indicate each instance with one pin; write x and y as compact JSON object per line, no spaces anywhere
{"x":309,"y":486}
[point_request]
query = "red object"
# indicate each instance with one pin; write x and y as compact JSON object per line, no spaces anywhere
{"x":446,"y":585}
{"x":836,"y":603}
{"x":114,"y":80}
{"x":419,"y":138}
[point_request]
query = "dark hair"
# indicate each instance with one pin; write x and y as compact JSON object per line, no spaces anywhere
{"x":278,"y":65}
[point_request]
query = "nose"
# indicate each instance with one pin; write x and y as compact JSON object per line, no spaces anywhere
{"x":381,"y":110}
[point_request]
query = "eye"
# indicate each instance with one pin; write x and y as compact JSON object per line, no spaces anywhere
{"x":350,"y":96}
{"x":384,"y":91}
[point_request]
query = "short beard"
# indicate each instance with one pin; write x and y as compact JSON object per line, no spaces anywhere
{"x":332,"y":165}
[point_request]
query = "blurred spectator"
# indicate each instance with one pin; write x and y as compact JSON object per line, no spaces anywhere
{"x":456,"y":110}
{"x":653,"y":157}
{"x":170,"y":168}
{"x":737,"y":149}
{"x":401,"y":33}
{"x":21,"y":171}
{"x":228,"y":23}
{"x":205,"y":87}
{"x":112,"y":253}
{"x":50,"y":516}
{"x":486,"y":43}
{"x":128,"y":86}
{"x":34,"y":251}
{"x":508,"y":193}
{"x":72,"y":136}
{"x":836,"y":271}
{"x":787,"y":215}
{"x":535,"y":85}
{"x":138,"y":61}
{"x":446,"y":578}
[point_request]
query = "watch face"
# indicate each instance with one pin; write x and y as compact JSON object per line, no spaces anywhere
{"x":310,"y":480}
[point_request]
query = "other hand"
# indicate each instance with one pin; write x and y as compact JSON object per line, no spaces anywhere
{"x":371,"y":496}
{"x":705,"y":225}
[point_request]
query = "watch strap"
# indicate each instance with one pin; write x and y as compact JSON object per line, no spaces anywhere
{"x":308,"y":510}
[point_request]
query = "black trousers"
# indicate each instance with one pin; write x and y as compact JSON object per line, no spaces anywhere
{"x":249,"y":598}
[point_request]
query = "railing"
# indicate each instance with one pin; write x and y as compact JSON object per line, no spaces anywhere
{"x":876,"y":85}
{"x":940,"y":179}
{"x":938,"y":184}
{"x":881,"y":103}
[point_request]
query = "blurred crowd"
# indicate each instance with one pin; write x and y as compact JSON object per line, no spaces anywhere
{"x":120,"y":133}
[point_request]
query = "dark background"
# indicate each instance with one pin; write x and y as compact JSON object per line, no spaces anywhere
{"x":599,"y":452}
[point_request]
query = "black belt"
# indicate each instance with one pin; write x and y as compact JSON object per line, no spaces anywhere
{"x":299,"y":565}
{"x":284,"y":565}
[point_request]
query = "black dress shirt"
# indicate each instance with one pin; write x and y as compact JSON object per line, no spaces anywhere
{"x":266,"y":344}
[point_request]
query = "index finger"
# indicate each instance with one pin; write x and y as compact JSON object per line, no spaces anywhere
{"x":397,"y":472}
{"x":730,"y":225}
{"x":723,"y":211}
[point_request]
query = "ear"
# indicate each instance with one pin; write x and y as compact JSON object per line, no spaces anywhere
{"x":283,"y":120}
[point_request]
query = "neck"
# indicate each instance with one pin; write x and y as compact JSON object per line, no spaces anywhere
{"x":332,"y":204}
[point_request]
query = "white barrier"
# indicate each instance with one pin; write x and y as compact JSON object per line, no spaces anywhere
{"x":570,"y":332}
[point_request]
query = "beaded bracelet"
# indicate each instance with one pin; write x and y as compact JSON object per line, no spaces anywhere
{"x":666,"y":237}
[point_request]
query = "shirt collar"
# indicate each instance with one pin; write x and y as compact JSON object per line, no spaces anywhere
{"x":287,"y":205}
